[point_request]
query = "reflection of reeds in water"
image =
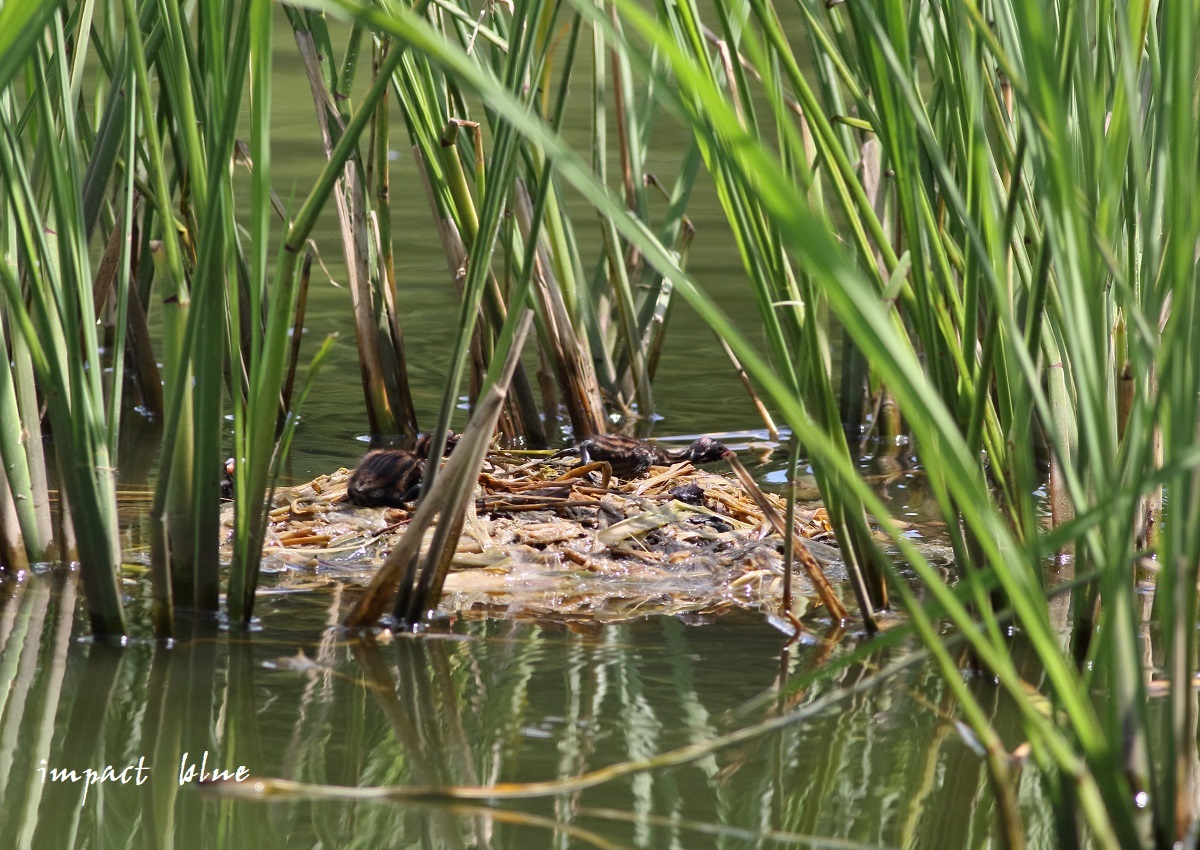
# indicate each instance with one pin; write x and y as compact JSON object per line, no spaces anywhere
{"x":604,"y":735}
{"x":612,"y":690}
{"x":25,"y":621}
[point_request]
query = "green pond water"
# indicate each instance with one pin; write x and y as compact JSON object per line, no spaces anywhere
{"x":858,"y":759}
{"x":868,"y":756}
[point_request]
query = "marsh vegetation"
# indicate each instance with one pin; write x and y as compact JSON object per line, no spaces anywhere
{"x":966,"y":225}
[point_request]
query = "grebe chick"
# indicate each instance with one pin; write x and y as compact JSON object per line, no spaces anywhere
{"x":425,"y":443}
{"x":392,"y":477}
{"x":386,"y":477}
{"x":630,"y":457}
{"x":227,"y":481}
{"x":703,"y":450}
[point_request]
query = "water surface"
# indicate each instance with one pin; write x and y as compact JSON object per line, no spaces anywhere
{"x":863,"y":760}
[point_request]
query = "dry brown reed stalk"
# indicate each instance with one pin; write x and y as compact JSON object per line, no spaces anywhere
{"x":763,"y":413}
{"x":139,"y":343}
{"x":389,"y":403}
{"x":559,"y":338}
{"x":110,"y":262}
{"x":289,"y":381}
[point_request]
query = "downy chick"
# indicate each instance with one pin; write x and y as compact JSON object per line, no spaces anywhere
{"x":392,"y":477}
{"x":630,"y":457}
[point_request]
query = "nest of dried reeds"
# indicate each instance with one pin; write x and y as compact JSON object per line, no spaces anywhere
{"x":546,"y":541}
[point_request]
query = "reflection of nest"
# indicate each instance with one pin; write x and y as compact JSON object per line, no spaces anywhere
{"x":543,"y":542}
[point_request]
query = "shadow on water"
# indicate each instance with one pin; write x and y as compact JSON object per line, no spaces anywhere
{"x":860,"y":758}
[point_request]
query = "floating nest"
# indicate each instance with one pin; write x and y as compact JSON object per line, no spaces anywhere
{"x":549,"y":542}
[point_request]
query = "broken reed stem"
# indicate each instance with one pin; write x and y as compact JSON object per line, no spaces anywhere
{"x":815,"y":574}
{"x":289,"y":381}
{"x":445,"y":537}
{"x":789,"y":539}
{"x":763,"y":413}
{"x":453,"y":488}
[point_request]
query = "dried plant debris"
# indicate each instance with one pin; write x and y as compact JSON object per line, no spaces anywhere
{"x":547,"y":541}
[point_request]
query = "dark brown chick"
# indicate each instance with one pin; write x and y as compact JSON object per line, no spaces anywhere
{"x":630,"y":457}
{"x":386,"y":477}
{"x":627,"y":456}
{"x":425,"y":443}
{"x":227,"y":481}
{"x":703,"y":450}
{"x":392,"y":477}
